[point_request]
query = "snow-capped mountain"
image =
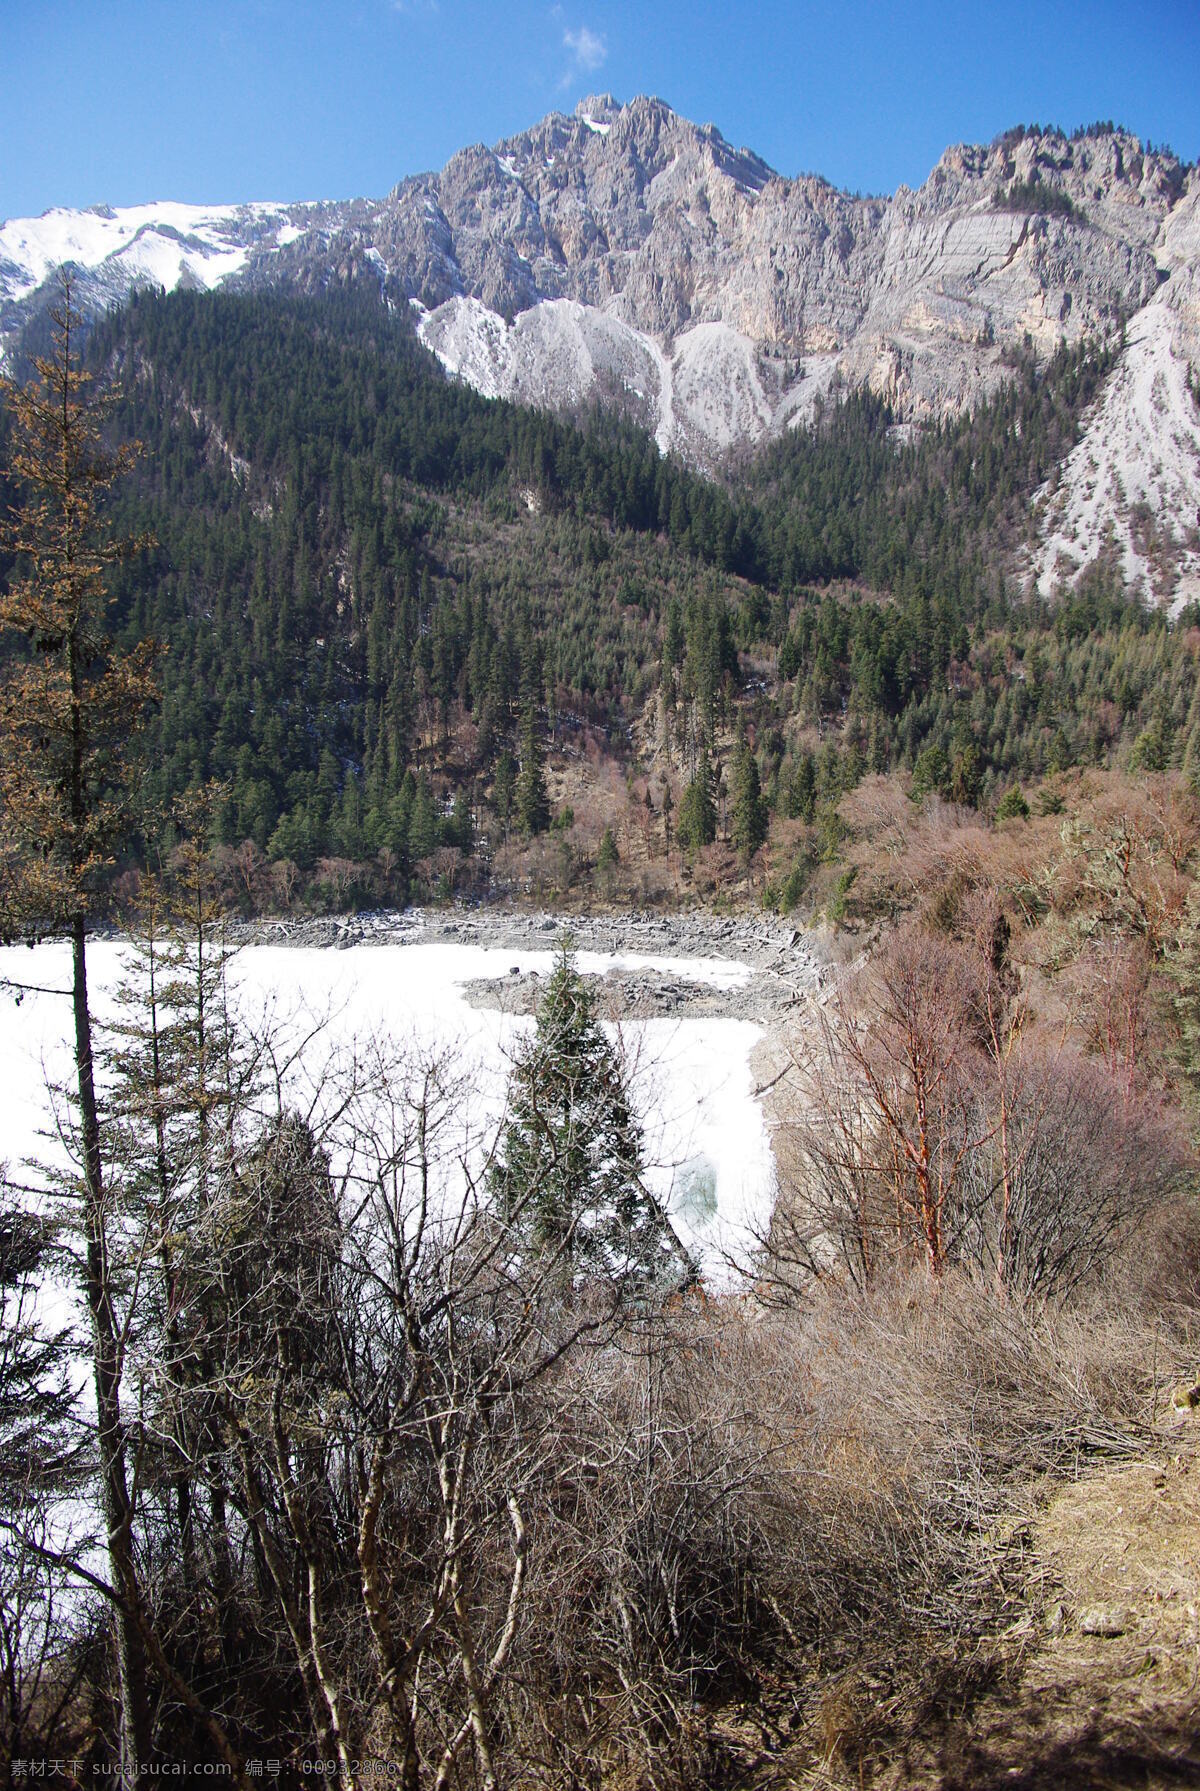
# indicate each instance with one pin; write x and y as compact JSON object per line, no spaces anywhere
{"x":112,"y":250}
{"x":164,"y":245}
{"x":626,"y":254}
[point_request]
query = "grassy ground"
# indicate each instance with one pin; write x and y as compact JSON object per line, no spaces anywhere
{"x":1107,"y":1683}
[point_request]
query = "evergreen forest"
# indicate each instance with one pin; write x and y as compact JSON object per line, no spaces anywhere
{"x":386,"y":606}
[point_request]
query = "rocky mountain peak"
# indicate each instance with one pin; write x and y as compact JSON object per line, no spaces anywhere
{"x":624,"y":252}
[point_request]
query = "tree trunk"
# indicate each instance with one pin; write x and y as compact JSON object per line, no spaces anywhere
{"x":106,"y":1361}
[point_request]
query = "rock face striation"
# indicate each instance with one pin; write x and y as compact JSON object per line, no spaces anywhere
{"x":628,"y":255}
{"x":1131,"y":488}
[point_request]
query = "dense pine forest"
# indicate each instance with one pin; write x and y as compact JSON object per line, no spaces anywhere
{"x":388,"y":606}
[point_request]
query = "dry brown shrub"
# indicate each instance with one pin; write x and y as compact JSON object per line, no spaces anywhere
{"x":828,"y":1497}
{"x":1109,"y":989}
{"x":712,"y":1510}
{"x":1126,"y":855}
{"x":880,"y":809}
{"x":907,"y":858}
{"x":1121,"y":855}
{"x":1155,"y":1279}
{"x":929,"y":1116}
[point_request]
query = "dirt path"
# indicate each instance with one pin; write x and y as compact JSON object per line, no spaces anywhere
{"x":1096,"y":1683}
{"x":1107,"y":1692}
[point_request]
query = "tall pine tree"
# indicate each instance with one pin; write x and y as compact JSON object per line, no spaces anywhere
{"x":749,"y":816}
{"x":570,"y":1173}
{"x":696,"y":825}
{"x":532,"y":802}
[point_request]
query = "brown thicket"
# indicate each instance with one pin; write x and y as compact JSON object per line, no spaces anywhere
{"x":931,"y":1118}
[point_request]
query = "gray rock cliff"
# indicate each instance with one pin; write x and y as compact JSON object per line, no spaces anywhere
{"x":626,"y":254}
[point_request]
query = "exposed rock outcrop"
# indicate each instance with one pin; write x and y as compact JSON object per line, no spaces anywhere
{"x":627,"y":255}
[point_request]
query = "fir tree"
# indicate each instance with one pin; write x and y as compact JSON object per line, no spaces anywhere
{"x":696,"y":824}
{"x":423,"y":830}
{"x":607,"y":857}
{"x":503,"y":789}
{"x":532,"y":802}
{"x":68,"y":705}
{"x":802,"y":789}
{"x":175,"y":1076}
{"x":570,"y":1173}
{"x":749,"y":822}
{"x":1012,"y":806}
{"x":461,"y":828}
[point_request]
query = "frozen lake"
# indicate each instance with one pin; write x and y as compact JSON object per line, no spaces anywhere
{"x":707,"y":1147}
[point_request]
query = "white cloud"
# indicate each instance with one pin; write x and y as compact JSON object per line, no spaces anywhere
{"x":587,"y":48}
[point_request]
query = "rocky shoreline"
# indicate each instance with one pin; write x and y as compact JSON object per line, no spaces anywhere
{"x":785,"y":965}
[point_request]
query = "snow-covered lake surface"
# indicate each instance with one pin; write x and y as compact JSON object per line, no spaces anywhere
{"x":707,"y":1144}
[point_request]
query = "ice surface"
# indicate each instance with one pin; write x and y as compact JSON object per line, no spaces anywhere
{"x":706,"y":1138}
{"x":707,"y":1143}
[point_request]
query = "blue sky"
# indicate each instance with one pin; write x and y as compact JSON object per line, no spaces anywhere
{"x":120,"y":101}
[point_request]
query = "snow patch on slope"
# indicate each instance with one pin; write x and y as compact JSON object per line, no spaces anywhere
{"x":1132,"y":484}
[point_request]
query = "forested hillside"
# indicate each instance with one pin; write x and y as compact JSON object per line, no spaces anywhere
{"x":387,"y":603}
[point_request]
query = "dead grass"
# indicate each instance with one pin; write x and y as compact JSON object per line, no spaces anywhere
{"x":1118,"y":1551}
{"x":1044,"y":1701}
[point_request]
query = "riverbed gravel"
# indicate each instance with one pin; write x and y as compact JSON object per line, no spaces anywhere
{"x":785,"y":964}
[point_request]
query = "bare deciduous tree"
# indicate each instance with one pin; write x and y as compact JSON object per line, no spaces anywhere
{"x":898,"y":1118}
{"x":932,"y":1121}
